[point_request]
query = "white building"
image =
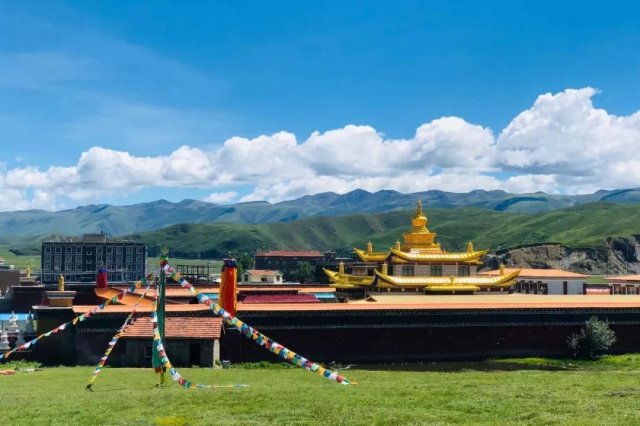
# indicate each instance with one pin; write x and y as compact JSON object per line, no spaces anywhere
{"x":624,"y":284}
{"x":261,"y":276}
{"x":546,"y":281}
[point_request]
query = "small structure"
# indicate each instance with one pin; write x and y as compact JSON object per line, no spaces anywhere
{"x":190,"y":340}
{"x":261,"y":276}
{"x":287,"y":261}
{"x":624,"y":284}
{"x":545,"y":281}
{"x":4,"y":341}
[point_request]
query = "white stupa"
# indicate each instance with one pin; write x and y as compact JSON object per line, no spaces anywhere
{"x":13,"y":324}
{"x":4,"y":341}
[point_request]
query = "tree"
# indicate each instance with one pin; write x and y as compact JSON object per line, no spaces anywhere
{"x":593,"y":340}
{"x":244,"y":262}
{"x":304,"y":272}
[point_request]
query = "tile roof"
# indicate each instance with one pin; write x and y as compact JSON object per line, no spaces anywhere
{"x":624,"y":278}
{"x":178,"y":328}
{"x":285,"y":253}
{"x":537,"y":273}
{"x":268,"y":272}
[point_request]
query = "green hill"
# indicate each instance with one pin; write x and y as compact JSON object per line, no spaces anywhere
{"x":584,"y":226}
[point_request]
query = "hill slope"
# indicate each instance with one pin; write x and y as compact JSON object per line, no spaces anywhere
{"x":118,"y":220}
{"x":585,"y":226}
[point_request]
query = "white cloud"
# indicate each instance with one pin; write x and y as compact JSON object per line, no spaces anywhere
{"x":220,"y":197}
{"x":561,"y":144}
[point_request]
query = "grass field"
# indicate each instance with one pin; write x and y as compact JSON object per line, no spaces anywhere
{"x":588,"y":393}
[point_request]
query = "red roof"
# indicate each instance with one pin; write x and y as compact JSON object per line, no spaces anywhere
{"x":284,"y":253}
{"x":631,"y":278}
{"x":537,"y":273}
{"x":178,"y":328}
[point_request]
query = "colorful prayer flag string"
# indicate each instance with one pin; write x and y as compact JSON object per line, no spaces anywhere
{"x":253,"y":334}
{"x":116,"y":337}
{"x":73,"y":322}
{"x":158,"y":346}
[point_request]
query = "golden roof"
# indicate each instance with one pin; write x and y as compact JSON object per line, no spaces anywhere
{"x":371,"y":256}
{"x":479,"y":281}
{"x":441,"y":256}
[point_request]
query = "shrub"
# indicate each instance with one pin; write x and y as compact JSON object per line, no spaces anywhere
{"x":593,"y":340}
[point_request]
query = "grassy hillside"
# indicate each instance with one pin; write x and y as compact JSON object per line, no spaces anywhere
{"x":583,"y":226}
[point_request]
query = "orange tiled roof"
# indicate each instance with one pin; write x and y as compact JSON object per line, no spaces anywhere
{"x":624,"y":278}
{"x":537,"y":273}
{"x":268,"y":272}
{"x":178,"y":328}
{"x":285,"y":253}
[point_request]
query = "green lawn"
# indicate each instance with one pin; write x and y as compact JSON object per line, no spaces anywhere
{"x":606,"y":392}
{"x":19,"y":262}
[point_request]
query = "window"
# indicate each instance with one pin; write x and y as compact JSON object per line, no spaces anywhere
{"x":463,"y":270}
{"x":98,"y":249}
{"x":263,"y":279}
{"x":47,"y":258}
{"x":47,"y":266}
{"x":436,"y":270}
{"x":408,"y":271}
{"x":57,"y":259}
{"x":246,"y":277}
{"x":68,"y":249}
{"x":139,"y":250}
{"x":119,"y":250}
{"x":118,"y":258}
{"x":78,"y":249}
{"x":47,"y":249}
{"x":78,"y":266}
{"x":109,"y":250}
{"x":109,"y":258}
{"x":68,"y":267}
{"x":139,"y":259}
{"x":129,"y":259}
{"x":58,"y":249}
{"x":129,"y":250}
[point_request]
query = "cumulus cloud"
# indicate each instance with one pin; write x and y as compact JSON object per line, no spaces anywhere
{"x":561,"y":144}
{"x":220,"y":197}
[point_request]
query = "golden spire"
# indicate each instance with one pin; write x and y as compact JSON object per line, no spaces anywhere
{"x":384,"y":269}
{"x":419,"y":221}
{"x":502,"y":269}
{"x":341,"y":267}
{"x":396,"y":246}
{"x":369,"y":247}
{"x":470,"y":247}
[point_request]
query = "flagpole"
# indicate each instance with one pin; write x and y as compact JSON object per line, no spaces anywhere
{"x":158,"y":365}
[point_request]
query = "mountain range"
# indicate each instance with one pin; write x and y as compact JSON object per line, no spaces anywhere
{"x":122,"y":220}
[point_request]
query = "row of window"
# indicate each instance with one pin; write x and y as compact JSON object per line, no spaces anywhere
{"x":78,"y":249}
{"x":78,"y":266}
{"x":98,"y":259}
{"x":433,"y":271}
{"x":73,"y":277}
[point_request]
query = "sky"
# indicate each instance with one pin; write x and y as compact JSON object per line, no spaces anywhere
{"x":124,"y":102}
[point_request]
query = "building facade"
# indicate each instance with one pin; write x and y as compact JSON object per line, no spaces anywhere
{"x":78,"y":259}
{"x":546,"y":281}
{"x":287,"y":261}
{"x":261,"y":276}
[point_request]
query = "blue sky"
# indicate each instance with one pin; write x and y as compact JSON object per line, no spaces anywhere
{"x":124,"y":85}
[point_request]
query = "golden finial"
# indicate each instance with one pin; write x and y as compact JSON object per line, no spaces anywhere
{"x":28,"y":272}
{"x":396,"y":246}
{"x":341,"y":267}
{"x":61,"y":283}
{"x":469,"y":247}
{"x":369,"y":247}
{"x":419,"y":221}
{"x":419,"y":209}
{"x":502,"y":269}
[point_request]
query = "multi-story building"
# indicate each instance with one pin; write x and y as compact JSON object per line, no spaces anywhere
{"x":78,"y":259}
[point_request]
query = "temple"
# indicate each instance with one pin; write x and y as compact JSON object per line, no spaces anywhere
{"x":419,"y":265}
